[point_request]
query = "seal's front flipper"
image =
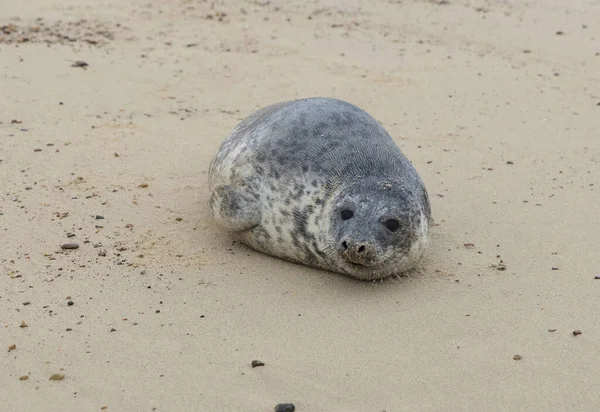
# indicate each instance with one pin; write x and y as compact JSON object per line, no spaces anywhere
{"x":236,"y":208}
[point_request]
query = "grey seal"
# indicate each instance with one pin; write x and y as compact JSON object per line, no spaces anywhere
{"x":320,"y":182}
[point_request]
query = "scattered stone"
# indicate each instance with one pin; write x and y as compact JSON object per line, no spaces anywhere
{"x":26,"y":303}
{"x":98,"y":217}
{"x":57,"y":377}
{"x":285,"y":407}
{"x":500,"y":266}
{"x":143,"y":185}
{"x":179,"y":219}
{"x":80,"y":63}
{"x":597,"y":277}
{"x":12,"y":347}
{"x":469,"y":245}
{"x":102,"y":253}
{"x":37,"y":150}
{"x":256,"y":363}
{"x":551,"y":330}
{"x":23,"y":378}
{"x":517,"y":357}
{"x":24,"y":325}
{"x":70,"y":303}
{"x":113,"y":330}
{"x":70,"y":245}
{"x":509,"y":162}
{"x":576,"y":332}
{"x":554,"y":268}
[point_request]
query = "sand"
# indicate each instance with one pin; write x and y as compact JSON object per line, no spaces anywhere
{"x":496,"y":103}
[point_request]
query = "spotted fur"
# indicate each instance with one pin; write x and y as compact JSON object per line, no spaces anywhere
{"x":283,"y":175}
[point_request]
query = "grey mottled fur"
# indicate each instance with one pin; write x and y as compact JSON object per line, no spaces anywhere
{"x":282,"y":177}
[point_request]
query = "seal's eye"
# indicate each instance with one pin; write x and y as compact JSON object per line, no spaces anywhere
{"x":347,"y":214}
{"x":392,"y":225}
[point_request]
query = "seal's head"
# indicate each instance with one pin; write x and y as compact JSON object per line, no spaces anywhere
{"x":379,"y":228}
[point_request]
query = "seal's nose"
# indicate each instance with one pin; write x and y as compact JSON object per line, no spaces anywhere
{"x":355,"y":252}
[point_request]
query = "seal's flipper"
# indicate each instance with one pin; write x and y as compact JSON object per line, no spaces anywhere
{"x":234,"y":207}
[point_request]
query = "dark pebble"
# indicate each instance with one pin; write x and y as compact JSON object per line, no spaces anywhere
{"x":576,"y":332}
{"x":70,"y":246}
{"x":113,"y":330}
{"x":256,"y":363}
{"x":596,"y":277}
{"x":70,"y":303}
{"x":80,"y":63}
{"x":99,"y":217}
{"x":285,"y":407}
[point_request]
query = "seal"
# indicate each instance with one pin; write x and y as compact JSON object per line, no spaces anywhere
{"x":320,"y":182}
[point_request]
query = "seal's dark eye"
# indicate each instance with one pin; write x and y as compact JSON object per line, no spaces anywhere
{"x":392,"y":225}
{"x":347,"y":214}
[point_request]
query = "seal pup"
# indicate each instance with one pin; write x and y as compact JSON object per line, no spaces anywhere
{"x":320,"y":182}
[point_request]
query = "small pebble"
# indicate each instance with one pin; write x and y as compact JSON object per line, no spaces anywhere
{"x":576,"y":332}
{"x":517,"y":357}
{"x":57,"y":377}
{"x":70,"y":303}
{"x":12,"y":347}
{"x":179,"y":219}
{"x":80,"y":63}
{"x":99,"y":217}
{"x":71,"y":245}
{"x":285,"y":407}
{"x":143,"y":185}
{"x":24,"y":325}
{"x":256,"y":363}
{"x":551,"y":330}
{"x":596,"y":277}
{"x":24,"y":378}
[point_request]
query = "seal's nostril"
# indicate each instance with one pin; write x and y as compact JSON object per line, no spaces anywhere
{"x":345,"y":245}
{"x":361,"y":249}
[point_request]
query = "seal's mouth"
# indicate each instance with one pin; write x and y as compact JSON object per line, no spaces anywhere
{"x":363,"y":265}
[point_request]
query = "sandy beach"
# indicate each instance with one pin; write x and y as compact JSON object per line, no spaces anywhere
{"x":110,"y":112}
